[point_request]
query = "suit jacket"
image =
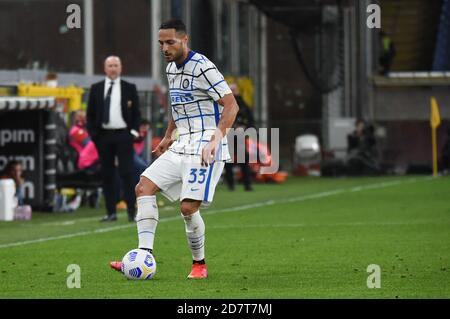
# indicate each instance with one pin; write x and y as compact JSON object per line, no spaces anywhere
{"x":129,"y":102}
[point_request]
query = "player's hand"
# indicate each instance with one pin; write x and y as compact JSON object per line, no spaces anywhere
{"x":162,"y":146}
{"x":208,"y":153}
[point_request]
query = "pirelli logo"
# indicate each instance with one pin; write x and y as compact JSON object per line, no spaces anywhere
{"x":180,"y":97}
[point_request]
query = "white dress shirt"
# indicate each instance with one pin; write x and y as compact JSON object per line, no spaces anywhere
{"x":116,"y":120}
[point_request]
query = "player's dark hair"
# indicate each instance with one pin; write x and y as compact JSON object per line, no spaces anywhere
{"x":176,"y":24}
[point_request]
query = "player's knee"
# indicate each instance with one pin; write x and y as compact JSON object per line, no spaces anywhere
{"x":188,"y":207}
{"x":139,"y":189}
{"x":145,"y":188}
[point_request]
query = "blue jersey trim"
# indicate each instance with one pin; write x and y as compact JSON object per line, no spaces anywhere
{"x":195,"y":116}
{"x":214,"y":85}
{"x":205,"y":198}
{"x":183,"y":90}
{"x":216,"y":112}
{"x":217,"y":117}
{"x":203,"y":126}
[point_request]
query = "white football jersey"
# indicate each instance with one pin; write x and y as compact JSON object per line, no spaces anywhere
{"x":195,"y":86}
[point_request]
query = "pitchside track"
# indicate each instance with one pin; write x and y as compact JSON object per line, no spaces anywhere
{"x":307,"y":238}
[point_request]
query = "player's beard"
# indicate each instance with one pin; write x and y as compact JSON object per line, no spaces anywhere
{"x":178,"y":55}
{"x":171,"y":57}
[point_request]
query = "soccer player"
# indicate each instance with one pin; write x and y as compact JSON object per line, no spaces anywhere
{"x":188,"y":168}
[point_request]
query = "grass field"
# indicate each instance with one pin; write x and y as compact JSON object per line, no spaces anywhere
{"x":307,"y":238}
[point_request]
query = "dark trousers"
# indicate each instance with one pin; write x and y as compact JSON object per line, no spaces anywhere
{"x":111,"y":144}
{"x":246,"y":175}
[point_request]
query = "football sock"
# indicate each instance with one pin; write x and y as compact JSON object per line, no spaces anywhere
{"x":195,"y":233}
{"x":146,"y":220}
{"x":201,"y":262}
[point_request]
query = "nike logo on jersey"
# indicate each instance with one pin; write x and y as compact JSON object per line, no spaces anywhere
{"x":194,"y":189}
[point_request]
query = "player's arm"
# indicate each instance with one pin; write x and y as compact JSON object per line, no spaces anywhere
{"x":229,"y":112}
{"x":167,"y":139}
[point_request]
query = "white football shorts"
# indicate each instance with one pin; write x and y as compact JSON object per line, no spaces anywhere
{"x":182,"y":176}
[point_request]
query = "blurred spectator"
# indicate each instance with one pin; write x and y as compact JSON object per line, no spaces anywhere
{"x":387,"y":53}
{"x":51,"y":79}
{"x":140,"y":164}
{"x":14,"y":171}
{"x":362,"y":150}
{"x":87,"y":158}
{"x":244,"y":120}
{"x":80,"y":140}
{"x":356,"y":138}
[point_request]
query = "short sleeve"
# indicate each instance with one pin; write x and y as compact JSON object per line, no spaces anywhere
{"x":212,"y":82}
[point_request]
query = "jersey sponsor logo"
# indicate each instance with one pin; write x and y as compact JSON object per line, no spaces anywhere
{"x":179,"y":97}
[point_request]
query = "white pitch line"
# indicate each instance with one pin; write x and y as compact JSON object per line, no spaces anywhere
{"x":80,"y":220}
{"x":268,"y":226}
{"x":217,"y":211}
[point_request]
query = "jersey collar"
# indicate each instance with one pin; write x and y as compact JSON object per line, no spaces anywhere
{"x":190,"y":55}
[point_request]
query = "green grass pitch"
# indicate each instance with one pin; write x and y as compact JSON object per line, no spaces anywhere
{"x":307,"y":238}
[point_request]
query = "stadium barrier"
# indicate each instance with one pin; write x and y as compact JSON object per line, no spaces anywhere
{"x":27,"y":134}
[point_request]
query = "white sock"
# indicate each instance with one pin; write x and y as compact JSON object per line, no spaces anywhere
{"x":146,"y":220}
{"x":195,"y":233}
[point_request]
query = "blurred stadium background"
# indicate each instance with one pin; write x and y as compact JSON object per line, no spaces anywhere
{"x":308,"y":67}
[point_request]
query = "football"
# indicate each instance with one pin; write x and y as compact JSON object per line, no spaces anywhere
{"x":138,"y":264}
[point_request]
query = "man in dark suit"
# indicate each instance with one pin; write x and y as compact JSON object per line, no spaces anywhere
{"x":113,"y":118}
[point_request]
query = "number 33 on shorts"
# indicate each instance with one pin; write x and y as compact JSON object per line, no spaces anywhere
{"x":201,"y":173}
{"x":199,"y":182}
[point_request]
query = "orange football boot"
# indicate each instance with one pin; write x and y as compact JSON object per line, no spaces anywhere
{"x":116,"y":265}
{"x":199,"y":271}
